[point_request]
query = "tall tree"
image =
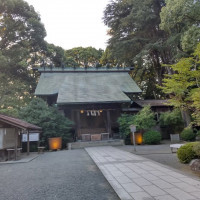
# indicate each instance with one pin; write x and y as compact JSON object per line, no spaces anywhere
{"x":81,"y":56}
{"x":54,"y":55}
{"x":184,"y":86}
{"x":22,"y":39}
{"x":136,"y":38}
{"x":181,"y":20}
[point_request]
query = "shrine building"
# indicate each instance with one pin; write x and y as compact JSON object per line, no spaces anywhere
{"x":91,"y":97}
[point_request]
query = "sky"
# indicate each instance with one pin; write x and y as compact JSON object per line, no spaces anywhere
{"x":73,"y":23}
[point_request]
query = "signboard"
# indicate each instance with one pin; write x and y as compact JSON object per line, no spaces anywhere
{"x":33,"y":137}
{"x":133,"y":128}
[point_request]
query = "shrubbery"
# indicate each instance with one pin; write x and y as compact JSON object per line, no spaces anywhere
{"x":196,"y":148}
{"x":125,"y":121}
{"x":152,"y":137}
{"x":186,"y":153}
{"x":53,"y":123}
{"x":144,"y":120}
{"x":188,"y":135}
{"x":172,"y":120}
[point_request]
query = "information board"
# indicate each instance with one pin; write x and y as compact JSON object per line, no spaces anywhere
{"x":33,"y":137}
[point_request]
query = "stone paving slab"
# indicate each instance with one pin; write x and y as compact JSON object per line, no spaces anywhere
{"x":136,"y":178}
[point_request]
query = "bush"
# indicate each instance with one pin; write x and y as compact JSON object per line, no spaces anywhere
{"x":53,"y":123}
{"x":188,"y":135}
{"x":144,"y":120}
{"x":172,"y":120}
{"x":196,"y":148}
{"x":152,"y":137}
{"x":186,"y":153}
{"x":125,"y":121}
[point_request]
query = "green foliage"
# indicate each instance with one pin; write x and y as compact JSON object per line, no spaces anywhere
{"x":188,"y":135}
{"x":125,"y":121}
{"x":196,"y":148}
{"x":22,"y":38}
{"x":198,"y":133}
{"x":80,"y":56}
{"x":135,"y":24}
{"x":152,"y":137}
{"x":172,"y":120}
{"x":144,"y":119}
{"x":183,"y":86}
{"x":107,"y":57}
{"x":186,"y":153}
{"x":55,"y":55}
{"x":161,"y":31}
{"x":181,"y":20}
{"x":52,"y":122}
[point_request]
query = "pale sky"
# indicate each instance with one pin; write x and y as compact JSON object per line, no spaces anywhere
{"x":73,"y":23}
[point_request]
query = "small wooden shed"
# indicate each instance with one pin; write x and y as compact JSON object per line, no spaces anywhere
{"x":11,"y":132}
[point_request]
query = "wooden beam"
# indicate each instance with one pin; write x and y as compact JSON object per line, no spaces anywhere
{"x":108,"y":122}
{"x":16,"y":142}
{"x":78,"y":124}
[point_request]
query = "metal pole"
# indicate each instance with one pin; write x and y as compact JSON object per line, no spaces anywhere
{"x":134,"y":141}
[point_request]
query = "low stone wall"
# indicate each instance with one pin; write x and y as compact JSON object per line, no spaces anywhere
{"x":80,"y":145}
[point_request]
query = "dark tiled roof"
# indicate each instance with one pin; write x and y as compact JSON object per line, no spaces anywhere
{"x":18,"y":123}
{"x":87,"y":87}
{"x":153,"y":102}
{"x":82,"y":69}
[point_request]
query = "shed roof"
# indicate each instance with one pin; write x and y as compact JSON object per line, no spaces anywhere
{"x":153,"y":102}
{"x":19,"y":123}
{"x":79,"y":88}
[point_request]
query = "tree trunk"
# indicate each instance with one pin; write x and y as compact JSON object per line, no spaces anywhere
{"x":186,"y":117}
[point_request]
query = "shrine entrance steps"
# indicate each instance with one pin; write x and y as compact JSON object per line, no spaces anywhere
{"x":83,"y":144}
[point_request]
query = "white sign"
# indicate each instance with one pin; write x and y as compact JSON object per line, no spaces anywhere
{"x":133,"y":128}
{"x":32,"y":137}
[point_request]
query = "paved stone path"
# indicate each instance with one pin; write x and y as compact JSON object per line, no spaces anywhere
{"x":135,"y":177}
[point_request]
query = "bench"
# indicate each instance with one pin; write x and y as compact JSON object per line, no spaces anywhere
{"x":12,"y":151}
{"x":41,"y":149}
{"x":175,"y":146}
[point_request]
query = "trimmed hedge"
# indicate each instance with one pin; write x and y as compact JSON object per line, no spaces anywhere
{"x":186,"y":153}
{"x":196,"y":148}
{"x":188,"y":135}
{"x":152,"y":137}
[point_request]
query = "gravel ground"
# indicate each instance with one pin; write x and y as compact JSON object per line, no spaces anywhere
{"x":162,"y":154}
{"x":62,"y":175}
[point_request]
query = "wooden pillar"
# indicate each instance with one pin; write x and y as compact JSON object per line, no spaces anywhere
{"x":16,"y":142}
{"x":108,"y":122}
{"x":28,"y":143}
{"x":73,"y":119}
{"x":78,"y":123}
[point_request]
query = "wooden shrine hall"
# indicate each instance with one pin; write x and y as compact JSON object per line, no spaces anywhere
{"x":91,"y":97}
